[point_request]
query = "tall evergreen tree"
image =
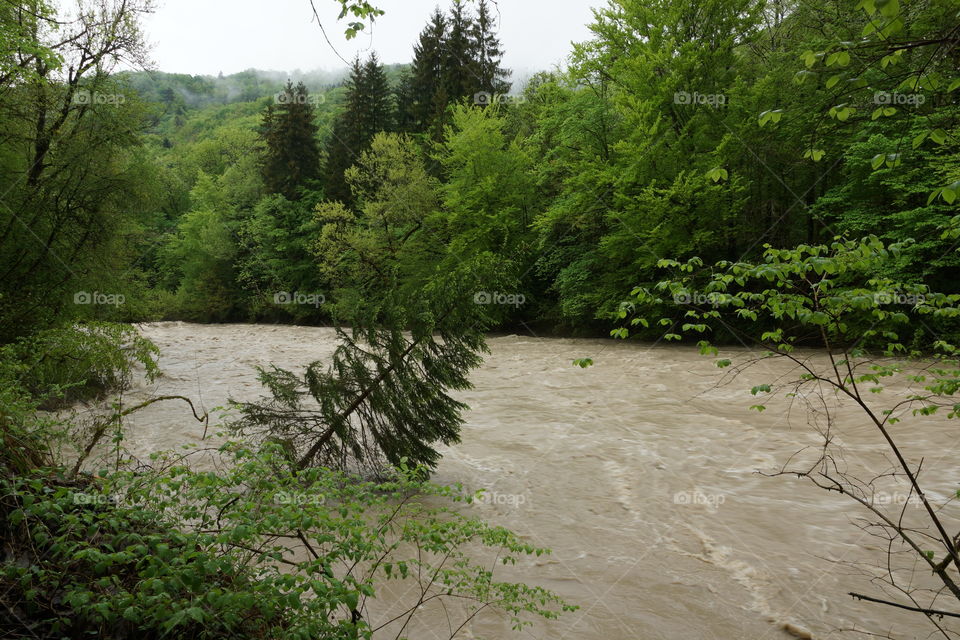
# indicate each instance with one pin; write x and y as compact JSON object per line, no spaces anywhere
{"x":368,"y":110}
{"x":488,"y":52}
{"x":454,"y":58}
{"x":403,"y":98}
{"x":292,"y":156}
{"x":344,"y":144}
{"x":426,"y":74}
{"x":377,"y":113}
{"x":457,"y":75}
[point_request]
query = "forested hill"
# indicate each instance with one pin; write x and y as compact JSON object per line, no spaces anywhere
{"x":184,"y":91}
{"x":232,"y":198}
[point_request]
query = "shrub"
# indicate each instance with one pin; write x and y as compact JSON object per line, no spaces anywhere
{"x":60,"y":366}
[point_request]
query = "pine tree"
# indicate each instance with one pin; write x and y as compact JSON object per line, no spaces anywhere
{"x":368,"y":110}
{"x":292,"y":156}
{"x":426,"y":73}
{"x":403,"y":98}
{"x":377,"y":112}
{"x":488,"y":52}
{"x":344,"y":145}
{"x":455,"y":58}
{"x":457,"y":79}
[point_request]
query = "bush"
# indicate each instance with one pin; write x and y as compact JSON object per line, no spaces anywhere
{"x":60,"y":366}
{"x":252,"y":552}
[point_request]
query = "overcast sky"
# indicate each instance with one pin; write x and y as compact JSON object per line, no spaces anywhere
{"x":210,"y":36}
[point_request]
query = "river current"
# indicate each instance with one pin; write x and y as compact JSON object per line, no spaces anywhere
{"x":640,"y":473}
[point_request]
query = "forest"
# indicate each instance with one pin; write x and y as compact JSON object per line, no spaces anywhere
{"x":774,"y":174}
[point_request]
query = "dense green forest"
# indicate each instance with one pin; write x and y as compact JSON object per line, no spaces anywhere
{"x":579,"y":182}
{"x":418,"y":207}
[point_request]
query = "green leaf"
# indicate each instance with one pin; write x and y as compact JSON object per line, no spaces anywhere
{"x":888,"y":8}
{"x":717,"y":174}
{"x":772,"y":116}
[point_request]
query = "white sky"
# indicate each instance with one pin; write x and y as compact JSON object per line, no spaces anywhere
{"x":209,"y":36}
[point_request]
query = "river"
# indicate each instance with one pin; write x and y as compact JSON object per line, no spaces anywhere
{"x":640,"y":473}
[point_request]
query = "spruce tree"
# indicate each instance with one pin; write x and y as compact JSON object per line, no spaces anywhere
{"x":403,"y":98}
{"x":457,"y":75}
{"x":426,"y":74}
{"x":367,"y":111}
{"x":377,"y":112}
{"x":344,"y":144}
{"x":291,"y":158}
{"x":488,"y":52}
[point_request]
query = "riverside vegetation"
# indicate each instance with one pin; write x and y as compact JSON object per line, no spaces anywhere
{"x":807,"y":150}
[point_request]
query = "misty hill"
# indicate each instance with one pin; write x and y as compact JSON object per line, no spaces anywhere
{"x":198,"y":91}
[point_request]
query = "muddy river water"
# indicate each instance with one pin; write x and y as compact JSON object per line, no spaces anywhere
{"x":640,"y":473}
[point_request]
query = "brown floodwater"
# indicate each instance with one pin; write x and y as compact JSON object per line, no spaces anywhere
{"x":640,"y":473}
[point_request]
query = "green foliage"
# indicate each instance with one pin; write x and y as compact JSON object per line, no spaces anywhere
{"x":368,"y":110}
{"x":291,"y":159}
{"x":276,"y":257}
{"x":821,"y":294}
{"x":215,"y":554}
{"x":408,"y":293}
{"x":487,"y":193}
{"x":199,"y":258}
{"x":58,"y":366}
{"x":832,"y":296}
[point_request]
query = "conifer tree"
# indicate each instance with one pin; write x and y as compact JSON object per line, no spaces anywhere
{"x":458,"y":66}
{"x":403,"y":98}
{"x":454,"y":58}
{"x":292,"y":156}
{"x":426,"y":74}
{"x":368,"y":110}
{"x":488,"y":52}
{"x":377,"y":110}
{"x":415,"y":329}
{"x":344,"y":144}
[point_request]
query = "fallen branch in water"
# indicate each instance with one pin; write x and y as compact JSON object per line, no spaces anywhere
{"x":101,"y":429}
